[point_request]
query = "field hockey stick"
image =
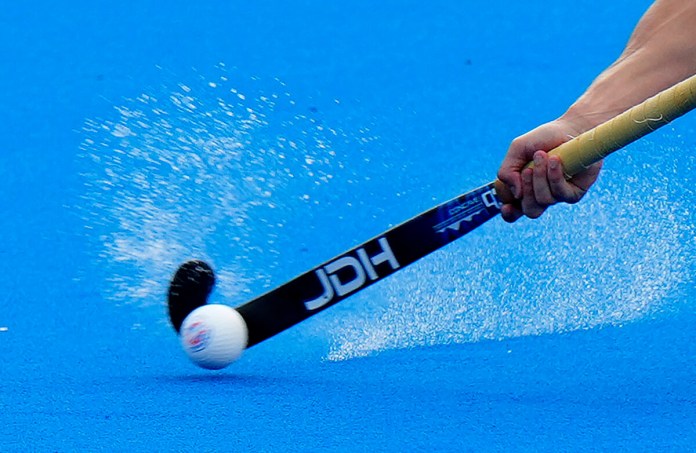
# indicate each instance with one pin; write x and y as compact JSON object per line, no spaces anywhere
{"x":373,"y":260}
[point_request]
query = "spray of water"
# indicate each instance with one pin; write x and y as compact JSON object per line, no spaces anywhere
{"x":621,"y":255}
{"x":202,"y":169}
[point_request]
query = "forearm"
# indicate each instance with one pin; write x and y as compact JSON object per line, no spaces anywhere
{"x":660,"y":53}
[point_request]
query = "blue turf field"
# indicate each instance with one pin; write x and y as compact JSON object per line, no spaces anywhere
{"x":267,"y":137}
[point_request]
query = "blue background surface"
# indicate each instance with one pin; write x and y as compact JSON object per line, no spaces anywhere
{"x":318,"y":125}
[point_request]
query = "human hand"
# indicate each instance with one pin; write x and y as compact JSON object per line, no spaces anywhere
{"x":545,"y":185}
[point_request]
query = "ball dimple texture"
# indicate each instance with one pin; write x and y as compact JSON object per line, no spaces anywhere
{"x":213,"y":336}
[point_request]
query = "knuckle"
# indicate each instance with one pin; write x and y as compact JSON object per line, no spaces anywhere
{"x":556,"y":178}
{"x":535,"y":214}
{"x":546,"y":200}
{"x":576,"y":197}
{"x":510,"y":213}
{"x":509,"y":218}
{"x":518,"y":142}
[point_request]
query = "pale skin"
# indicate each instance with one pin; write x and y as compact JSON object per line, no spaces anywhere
{"x":660,"y":53}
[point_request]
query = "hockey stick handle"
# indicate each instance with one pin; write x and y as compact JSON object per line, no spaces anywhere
{"x":595,"y":144}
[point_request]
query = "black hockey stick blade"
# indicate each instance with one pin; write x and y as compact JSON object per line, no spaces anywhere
{"x":188,"y":290}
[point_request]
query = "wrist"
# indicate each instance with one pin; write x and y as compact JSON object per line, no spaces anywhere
{"x":574,"y":122}
{"x":586,"y":113}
